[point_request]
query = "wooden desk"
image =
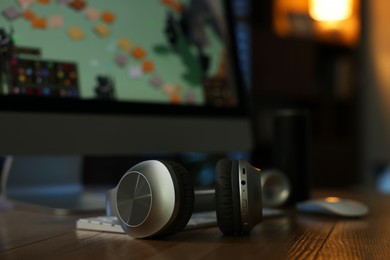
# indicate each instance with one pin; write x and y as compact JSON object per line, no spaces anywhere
{"x":29,"y":235}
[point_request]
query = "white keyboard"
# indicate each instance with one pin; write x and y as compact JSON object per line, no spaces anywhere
{"x":202,"y":219}
{"x":111,"y":223}
{"x":100,"y":223}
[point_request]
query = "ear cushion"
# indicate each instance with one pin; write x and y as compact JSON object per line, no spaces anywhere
{"x":186,"y":198}
{"x":227,"y":197}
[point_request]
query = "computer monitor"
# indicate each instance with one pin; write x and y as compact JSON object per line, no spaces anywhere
{"x":104,"y":77}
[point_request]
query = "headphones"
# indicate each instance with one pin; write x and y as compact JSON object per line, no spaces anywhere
{"x":155,"y":198}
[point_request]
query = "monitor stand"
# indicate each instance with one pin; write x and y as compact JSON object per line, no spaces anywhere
{"x":51,"y":184}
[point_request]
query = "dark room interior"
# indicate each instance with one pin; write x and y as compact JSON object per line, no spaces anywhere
{"x":289,"y":99}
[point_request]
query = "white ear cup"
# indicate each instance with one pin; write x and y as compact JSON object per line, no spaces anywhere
{"x":146,"y":199}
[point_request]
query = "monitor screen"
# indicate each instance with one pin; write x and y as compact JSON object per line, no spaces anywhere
{"x":164,"y":52}
{"x":97,"y":75}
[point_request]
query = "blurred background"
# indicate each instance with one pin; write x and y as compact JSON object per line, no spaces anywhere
{"x":327,"y":59}
{"x":332,"y":59}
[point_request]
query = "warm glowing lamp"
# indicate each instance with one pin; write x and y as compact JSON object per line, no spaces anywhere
{"x":330,"y":10}
{"x":333,"y":21}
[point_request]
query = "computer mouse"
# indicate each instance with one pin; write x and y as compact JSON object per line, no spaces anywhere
{"x":333,"y":206}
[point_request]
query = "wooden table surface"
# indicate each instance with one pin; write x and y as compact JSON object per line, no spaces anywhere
{"x":32,"y":235}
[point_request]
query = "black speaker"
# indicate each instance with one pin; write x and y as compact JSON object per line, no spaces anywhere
{"x":291,"y":149}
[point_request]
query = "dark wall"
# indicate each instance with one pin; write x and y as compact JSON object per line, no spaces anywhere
{"x":305,"y":74}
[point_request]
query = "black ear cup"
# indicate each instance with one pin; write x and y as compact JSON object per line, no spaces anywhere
{"x":227,"y":197}
{"x":185,"y":199}
{"x":237,"y":196}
